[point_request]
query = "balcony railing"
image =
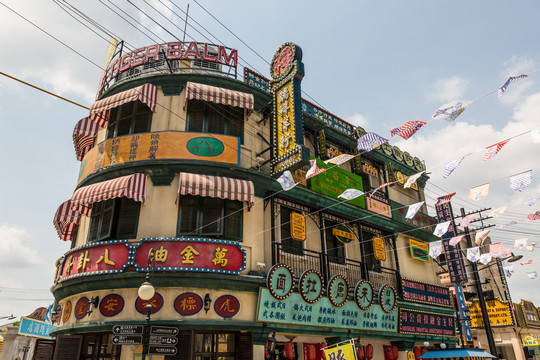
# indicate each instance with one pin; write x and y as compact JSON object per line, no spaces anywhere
{"x":328,"y":266}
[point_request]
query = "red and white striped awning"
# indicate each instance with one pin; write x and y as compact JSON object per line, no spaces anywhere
{"x":84,"y":135}
{"x":146,"y":93}
{"x":218,"y":95}
{"x":65,"y":221}
{"x":131,"y":186}
{"x":216,"y":187}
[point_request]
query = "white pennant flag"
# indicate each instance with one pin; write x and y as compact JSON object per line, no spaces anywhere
{"x":314,"y":169}
{"x":286,"y":180}
{"x":350,"y":194}
{"x":530,"y":247}
{"x":535,"y":135}
{"x":521,"y":243}
{"x":485,"y":258}
{"x":435,"y":249}
{"x":340,"y":159}
{"x":532,"y":275}
{"x":412,"y":179}
{"x":441,"y":228}
{"x":508,"y":270}
{"x":481,"y":236}
{"x":498,"y":211}
{"x":413,"y":209}
{"x":473,"y":254}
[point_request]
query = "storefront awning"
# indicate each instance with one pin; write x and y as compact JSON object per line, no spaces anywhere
{"x":218,"y":95}
{"x":146,"y":93}
{"x":469,"y":354}
{"x":131,"y":186}
{"x":216,"y":187}
{"x":84,"y":134}
{"x":65,"y":221}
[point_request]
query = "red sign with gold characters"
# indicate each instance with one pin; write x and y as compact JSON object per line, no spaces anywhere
{"x":188,"y":304}
{"x":111,"y":305}
{"x":95,"y":259}
{"x":81,"y":308}
{"x":191,"y":254}
{"x":156,"y":302}
{"x":227,"y":306}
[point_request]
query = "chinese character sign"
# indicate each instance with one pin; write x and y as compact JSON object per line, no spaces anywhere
{"x":342,"y":352}
{"x":35,"y":328}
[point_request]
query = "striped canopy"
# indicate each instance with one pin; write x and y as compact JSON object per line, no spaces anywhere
{"x":84,"y":135}
{"x":65,"y":221}
{"x":146,"y":93}
{"x":457,"y":354}
{"x":216,"y":187}
{"x":131,"y":186}
{"x":218,"y":95}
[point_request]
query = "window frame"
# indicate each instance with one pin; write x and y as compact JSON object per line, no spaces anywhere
{"x":211,"y":109}
{"x":116,"y":116}
{"x":118,"y":212}
{"x":288,"y":244}
{"x":336,"y":258}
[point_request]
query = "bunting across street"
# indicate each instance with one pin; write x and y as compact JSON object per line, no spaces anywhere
{"x":497,"y":212}
{"x":467,"y":219}
{"x":370,"y":141}
{"x":407,"y":130}
{"x":450,"y":166}
{"x":494,"y":149}
{"x":521,"y":243}
{"x":510,"y":80}
{"x":441,"y":228}
{"x":286,"y":180}
{"x":520,"y":182}
{"x":479,"y":192}
{"x":511,"y":223}
{"x":473,"y":254}
{"x":340,"y":159}
{"x":351,"y":194}
{"x":496,"y":250}
{"x":435,"y":249}
{"x":526,"y":262}
{"x":413,"y":209}
{"x":531,"y":201}
{"x":451,"y":111}
{"x":485,"y":258}
{"x":532,"y":275}
{"x":411,"y":180}
{"x":530,"y":247}
{"x":314,"y":169}
{"x":534,"y":216}
{"x":481,"y":236}
{"x":444,"y":199}
{"x":456,"y":240}
{"x":508,"y":270}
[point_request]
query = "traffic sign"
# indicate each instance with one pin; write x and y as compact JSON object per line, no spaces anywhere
{"x":161,"y":350}
{"x":127,"y":329}
{"x":163,"y":330}
{"x":163,"y":340}
{"x":127,"y":339}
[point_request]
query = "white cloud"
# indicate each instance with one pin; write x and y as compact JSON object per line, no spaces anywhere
{"x":358,"y":120}
{"x":15,"y":252}
{"x":448,"y":89}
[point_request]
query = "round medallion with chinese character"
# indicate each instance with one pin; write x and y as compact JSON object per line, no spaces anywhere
{"x":111,"y":305}
{"x":283,"y":60}
{"x":66,"y":311}
{"x":311,"y":286}
{"x":156,"y":302}
{"x":363,"y":294}
{"x":387,"y":298}
{"x":81,"y":308}
{"x":408,"y":159}
{"x":188,"y":304}
{"x":338,"y":290}
{"x":280,"y":281}
{"x":227,"y":306}
{"x":418,"y":164}
{"x":398,"y":154}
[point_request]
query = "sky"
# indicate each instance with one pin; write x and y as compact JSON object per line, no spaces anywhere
{"x":377,"y":64}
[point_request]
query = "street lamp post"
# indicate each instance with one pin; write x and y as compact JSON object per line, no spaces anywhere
{"x":146,"y":292}
{"x":9,"y":317}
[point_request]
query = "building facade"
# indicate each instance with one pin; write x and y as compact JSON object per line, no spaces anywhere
{"x":179,"y":160}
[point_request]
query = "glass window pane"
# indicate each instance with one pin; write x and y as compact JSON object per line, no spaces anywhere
{"x":127,"y":109}
{"x":196,"y":111}
{"x":216,"y":122}
{"x":142,"y":123}
{"x":212,"y":213}
{"x":105,"y":231}
{"x":188,"y":214}
{"x":123,"y":126}
{"x":95,"y":219}
{"x":233,"y":220}
{"x":128,"y":217}
{"x":236,"y":128}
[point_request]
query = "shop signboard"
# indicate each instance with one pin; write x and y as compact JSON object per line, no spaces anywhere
{"x":256,"y":80}
{"x":419,"y":221}
{"x":379,"y":248}
{"x":498,"y":311}
{"x":126,"y":339}
{"x":298,"y":226}
{"x":334,"y":181}
{"x":530,"y":339}
{"x":378,"y":207}
{"x":164,"y":145}
{"x":421,"y":292}
{"x":295,"y":311}
{"x":428,"y":323}
{"x":419,"y":250}
{"x":530,"y":314}
{"x":343,"y":234}
{"x":35,"y":328}
{"x":466,"y":326}
{"x":454,"y":258}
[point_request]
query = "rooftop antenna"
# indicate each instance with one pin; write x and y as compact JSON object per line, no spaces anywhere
{"x":185,"y":25}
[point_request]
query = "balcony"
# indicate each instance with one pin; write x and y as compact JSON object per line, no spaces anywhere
{"x":328,"y":266}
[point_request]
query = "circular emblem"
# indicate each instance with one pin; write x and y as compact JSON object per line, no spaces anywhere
{"x":397,"y":153}
{"x":410,"y":355}
{"x":188,"y":304}
{"x":227,"y":306}
{"x":359,"y":132}
{"x":111,"y":305}
{"x":387,"y":298}
{"x":156,"y":302}
{"x":363,"y":294}
{"x":81,"y":308}
{"x":408,"y":159}
{"x":283,"y":60}
{"x":338,"y":290}
{"x":343,"y":234}
{"x":387,"y":148}
{"x":205,"y":146}
{"x":311,"y":286}
{"x":400,"y":177}
{"x":280,"y":281}
{"x":67,"y":312}
{"x":418,"y":164}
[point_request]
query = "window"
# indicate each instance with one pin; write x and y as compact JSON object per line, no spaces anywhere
{"x":114,"y":219}
{"x":288,"y":244}
{"x":206,"y":216}
{"x":335,"y":249}
{"x":368,"y":254}
{"x":131,"y":118}
{"x":215,"y":118}
{"x":99,"y":346}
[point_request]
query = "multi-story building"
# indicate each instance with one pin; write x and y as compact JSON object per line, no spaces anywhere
{"x":179,"y":160}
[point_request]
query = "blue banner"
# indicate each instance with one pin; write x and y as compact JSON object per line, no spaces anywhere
{"x":465,"y":326}
{"x":35,"y":328}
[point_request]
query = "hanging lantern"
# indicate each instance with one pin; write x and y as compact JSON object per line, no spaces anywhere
{"x":417,"y":352}
{"x":369,"y":351}
{"x":289,"y":351}
{"x":388,"y":355}
{"x":311,"y":352}
{"x":267,"y":349}
{"x":319,"y":348}
{"x":359,"y":351}
{"x":395,"y":352}
{"x":424,"y":350}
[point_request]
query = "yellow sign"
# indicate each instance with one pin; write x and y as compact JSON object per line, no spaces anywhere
{"x":498,"y":312}
{"x":530,"y":339}
{"x":285,"y":118}
{"x":342,"y":352}
{"x":378,"y":248}
{"x":402,"y":178}
{"x":410,"y":355}
{"x":165,"y":145}
{"x":419,"y":250}
{"x":298,"y":226}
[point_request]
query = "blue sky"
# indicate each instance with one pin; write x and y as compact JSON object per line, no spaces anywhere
{"x":376,"y":64}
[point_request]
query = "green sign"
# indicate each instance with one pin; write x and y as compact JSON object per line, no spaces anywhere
{"x":280,"y":281}
{"x":295,"y":311}
{"x":334,"y":181}
{"x":205,"y":146}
